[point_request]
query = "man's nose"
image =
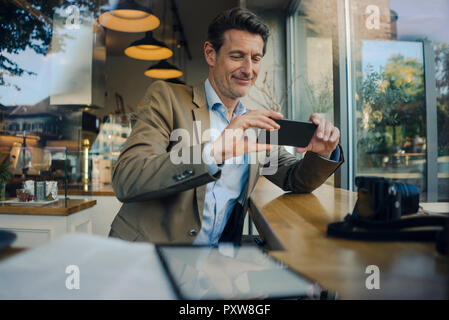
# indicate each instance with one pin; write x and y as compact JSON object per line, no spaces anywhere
{"x":246,"y":67}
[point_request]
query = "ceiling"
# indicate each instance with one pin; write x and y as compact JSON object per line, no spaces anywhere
{"x":195,"y":16}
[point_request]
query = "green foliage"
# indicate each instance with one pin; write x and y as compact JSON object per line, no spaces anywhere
{"x":442,"y":83}
{"x":443,"y":128}
{"x":442,"y":65}
{"x":5,"y":175}
{"x":392,"y":98}
{"x":395,"y":97}
{"x":376,"y":142}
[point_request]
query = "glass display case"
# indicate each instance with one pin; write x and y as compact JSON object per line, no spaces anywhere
{"x":38,"y":176}
{"x":80,"y":156}
{"x":90,"y":166}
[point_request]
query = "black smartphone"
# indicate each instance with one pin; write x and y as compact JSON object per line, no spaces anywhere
{"x":292,"y":133}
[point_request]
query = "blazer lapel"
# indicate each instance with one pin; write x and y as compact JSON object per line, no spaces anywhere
{"x":201,"y":127}
{"x":253,"y":174}
{"x":201,"y":115}
{"x":253,"y":171}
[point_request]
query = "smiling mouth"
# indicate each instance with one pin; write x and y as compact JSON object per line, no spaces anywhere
{"x":242,"y":80}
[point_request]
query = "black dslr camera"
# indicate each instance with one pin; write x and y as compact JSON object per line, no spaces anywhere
{"x":377,"y":215}
{"x":381,"y":199}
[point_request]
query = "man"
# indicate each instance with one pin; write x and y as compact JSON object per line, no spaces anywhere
{"x":205,"y":202}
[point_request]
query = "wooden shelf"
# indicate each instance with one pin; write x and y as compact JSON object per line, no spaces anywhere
{"x":57,"y":208}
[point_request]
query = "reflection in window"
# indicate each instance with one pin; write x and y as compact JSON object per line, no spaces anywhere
{"x":28,"y":45}
{"x":442,"y":85}
{"x":310,"y":59}
{"x":394,"y":91}
{"x":47,"y":53}
{"x":311,"y":75}
{"x":390,"y":111}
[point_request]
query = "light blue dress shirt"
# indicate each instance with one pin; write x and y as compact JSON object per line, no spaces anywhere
{"x":222,"y":194}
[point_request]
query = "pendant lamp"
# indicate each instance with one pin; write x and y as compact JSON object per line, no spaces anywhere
{"x":129,"y":17}
{"x":148,"y":48}
{"x":163,"y":70}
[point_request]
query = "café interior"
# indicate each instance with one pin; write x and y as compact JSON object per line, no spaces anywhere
{"x":73,"y":72}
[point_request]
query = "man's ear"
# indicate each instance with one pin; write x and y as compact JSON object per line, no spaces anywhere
{"x":210,"y":54}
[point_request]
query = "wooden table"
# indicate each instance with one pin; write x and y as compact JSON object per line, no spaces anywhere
{"x":408,"y":155}
{"x":294,"y":228}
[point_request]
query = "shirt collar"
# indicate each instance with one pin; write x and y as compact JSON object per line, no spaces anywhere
{"x":213,"y":100}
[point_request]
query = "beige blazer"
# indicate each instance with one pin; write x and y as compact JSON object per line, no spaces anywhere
{"x":163,"y":202}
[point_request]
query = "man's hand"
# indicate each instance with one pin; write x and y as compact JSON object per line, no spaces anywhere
{"x":233,"y":142}
{"x":325,"y":139}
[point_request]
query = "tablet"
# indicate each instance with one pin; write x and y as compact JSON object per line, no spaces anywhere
{"x":229,"y":271}
{"x":292,"y":133}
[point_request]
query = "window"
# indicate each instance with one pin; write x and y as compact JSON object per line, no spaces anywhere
{"x":310,"y":57}
{"x":399,"y":97}
{"x":380,"y":70}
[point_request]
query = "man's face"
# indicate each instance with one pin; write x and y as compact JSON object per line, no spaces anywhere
{"x":235,"y":67}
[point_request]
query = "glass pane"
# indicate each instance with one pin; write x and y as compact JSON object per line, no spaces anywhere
{"x":390,"y":99}
{"x":311,"y":78}
{"x":45,"y":51}
{"x":51,"y":69}
{"x":441,"y":51}
{"x":310,"y":86}
{"x":390,"y":111}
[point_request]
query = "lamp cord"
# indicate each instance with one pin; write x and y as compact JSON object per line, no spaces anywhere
{"x":165,"y":21}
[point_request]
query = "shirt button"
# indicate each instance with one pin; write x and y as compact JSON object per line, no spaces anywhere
{"x":192,"y":232}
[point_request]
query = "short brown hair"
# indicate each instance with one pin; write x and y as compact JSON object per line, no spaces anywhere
{"x":236,"y":18}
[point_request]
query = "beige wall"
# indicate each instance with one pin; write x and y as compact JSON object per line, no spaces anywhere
{"x":270,"y":87}
{"x":125,"y":76}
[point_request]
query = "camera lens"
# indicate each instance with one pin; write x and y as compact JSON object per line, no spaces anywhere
{"x":382,"y":199}
{"x":409,"y":197}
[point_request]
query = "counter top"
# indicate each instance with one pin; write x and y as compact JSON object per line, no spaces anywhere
{"x":294,"y":227}
{"x":57,"y":208}
{"x":88,"y":190}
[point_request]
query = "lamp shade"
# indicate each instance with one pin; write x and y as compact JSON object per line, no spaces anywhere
{"x":163,"y":70}
{"x":148,"y":48}
{"x":129,"y":17}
